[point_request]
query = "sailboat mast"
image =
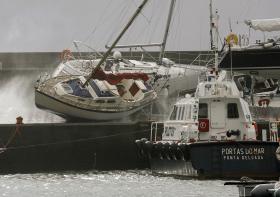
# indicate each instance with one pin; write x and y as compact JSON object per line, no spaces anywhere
{"x":171,"y":8}
{"x":137,"y":12}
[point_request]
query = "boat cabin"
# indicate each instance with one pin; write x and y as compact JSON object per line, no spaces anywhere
{"x":217,"y":112}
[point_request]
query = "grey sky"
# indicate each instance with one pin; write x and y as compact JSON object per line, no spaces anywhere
{"x":52,"y":25}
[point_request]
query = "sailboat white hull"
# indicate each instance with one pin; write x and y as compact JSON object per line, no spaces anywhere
{"x":64,"y":109}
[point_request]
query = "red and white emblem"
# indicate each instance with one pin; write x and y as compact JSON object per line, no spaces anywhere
{"x":203,"y":125}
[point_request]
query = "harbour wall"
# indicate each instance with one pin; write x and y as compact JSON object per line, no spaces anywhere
{"x":70,"y":146}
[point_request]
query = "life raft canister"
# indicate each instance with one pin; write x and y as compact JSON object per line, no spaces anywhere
{"x":203,"y":125}
{"x":232,"y":39}
{"x":263,"y":102}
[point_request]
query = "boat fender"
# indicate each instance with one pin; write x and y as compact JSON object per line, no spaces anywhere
{"x":140,"y":148}
{"x":138,"y":143}
{"x":233,"y":132}
{"x":187,"y":152}
{"x":166,"y":150}
{"x":179,"y":152}
{"x":182,"y":146}
{"x":144,"y":139}
{"x":262,"y":190}
{"x":173,"y":146}
{"x":173,"y":151}
{"x":181,"y":156}
{"x":158,"y":147}
{"x":148,"y":146}
{"x":166,"y":147}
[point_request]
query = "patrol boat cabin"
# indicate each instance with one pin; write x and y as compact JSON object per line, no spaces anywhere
{"x":216,"y":112}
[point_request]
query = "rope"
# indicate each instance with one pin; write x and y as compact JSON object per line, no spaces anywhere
{"x":74,"y":141}
{"x":11,"y":138}
{"x":101,"y":20}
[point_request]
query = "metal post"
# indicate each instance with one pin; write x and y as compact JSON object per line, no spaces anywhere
{"x":211,"y":26}
{"x":151,"y":134}
{"x":156,"y":133}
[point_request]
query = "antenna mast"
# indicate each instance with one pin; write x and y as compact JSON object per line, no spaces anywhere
{"x":214,"y":33}
{"x":211,"y":26}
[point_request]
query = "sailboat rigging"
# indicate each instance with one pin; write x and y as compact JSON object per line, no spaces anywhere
{"x":100,"y":96}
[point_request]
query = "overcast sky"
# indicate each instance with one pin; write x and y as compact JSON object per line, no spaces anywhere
{"x":52,"y":25}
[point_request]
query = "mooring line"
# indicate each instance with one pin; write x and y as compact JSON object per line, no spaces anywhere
{"x":72,"y":141}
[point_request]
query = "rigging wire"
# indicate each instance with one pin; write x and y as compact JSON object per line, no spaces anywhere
{"x":122,"y":16}
{"x":73,"y":141}
{"x":176,"y":23}
{"x":156,"y":16}
{"x":141,"y":13}
{"x":142,"y":34}
{"x":146,"y":34}
{"x":101,"y":20}
{"x":180,"y":32}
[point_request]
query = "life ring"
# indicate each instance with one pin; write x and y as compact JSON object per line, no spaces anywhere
{"x":232,"y":39}
{"x":263,"y":102}
{"x":203,"y":125}
{"x":66,"y":54}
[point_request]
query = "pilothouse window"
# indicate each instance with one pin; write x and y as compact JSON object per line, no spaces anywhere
{"x":232,"y":110}
{"x":174,"y":113}
{"x":188,"y":112}
{"x":203,"y":110}
{"x":183,"y":113}
{"x":179,"y":113}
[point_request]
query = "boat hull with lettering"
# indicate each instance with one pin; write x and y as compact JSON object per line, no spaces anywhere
{"x":256,"y":159}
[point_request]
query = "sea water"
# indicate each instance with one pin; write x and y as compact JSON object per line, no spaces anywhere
{"x":110,"y":183}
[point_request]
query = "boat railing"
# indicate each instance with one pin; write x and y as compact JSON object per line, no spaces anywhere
{"x":81,"y":54}
{"x":207,"y":59}
{"x":157,"y":129}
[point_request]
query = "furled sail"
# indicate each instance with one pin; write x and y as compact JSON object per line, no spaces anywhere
{"x":114,"y":79}
{"x":265,"y":24}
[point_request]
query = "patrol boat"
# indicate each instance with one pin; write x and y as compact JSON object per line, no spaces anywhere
{"x":211,"y":135}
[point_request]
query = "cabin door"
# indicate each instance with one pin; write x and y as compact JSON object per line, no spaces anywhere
{"x":218,"y":114}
